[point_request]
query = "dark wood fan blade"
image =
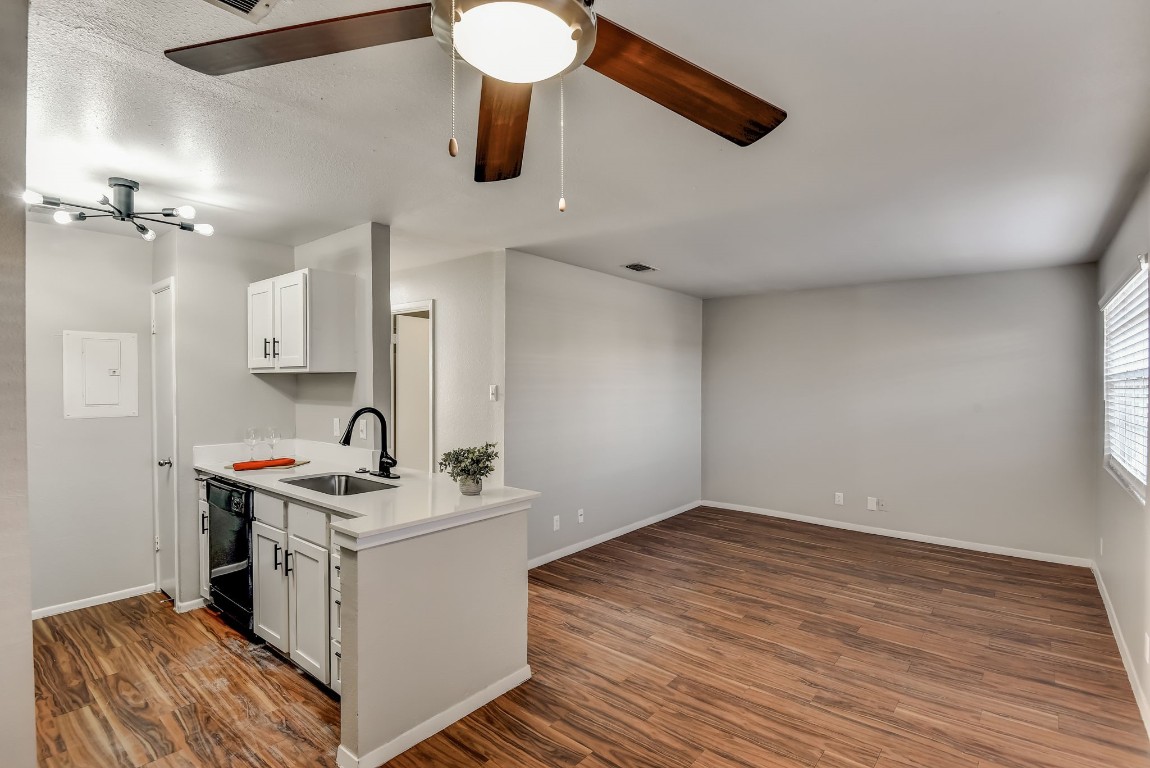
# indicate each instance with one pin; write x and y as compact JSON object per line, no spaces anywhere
{"x":305,"y":41}
{"x":682,"y":87}
{"x":503,"y":112}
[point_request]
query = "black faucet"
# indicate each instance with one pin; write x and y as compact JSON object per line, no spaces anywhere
{"x":386,"y":462}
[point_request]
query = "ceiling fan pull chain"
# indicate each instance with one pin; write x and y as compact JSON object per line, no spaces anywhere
{"x":453,"y":145}
{"x":562,"y":146}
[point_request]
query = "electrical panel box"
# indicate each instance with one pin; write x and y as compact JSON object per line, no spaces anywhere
{"x":101,"y":375}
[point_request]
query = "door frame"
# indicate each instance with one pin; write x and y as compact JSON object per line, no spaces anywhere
{"x":167,"y":284}
{"x":408,"y":308}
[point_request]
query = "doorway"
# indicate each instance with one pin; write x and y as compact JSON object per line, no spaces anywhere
{"x":164,"y":452}
{"x":413,"y":384}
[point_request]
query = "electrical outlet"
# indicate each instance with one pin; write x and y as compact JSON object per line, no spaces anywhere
{"x":363,"y":429}
{"x":1101,"y":547}
{"x":335,"y":426}
{"x":882,"y":505}
{"x":556,"y":524}
{"x":871,"y":504}
{"x":580,"y":517}
{"x":838,"y":499}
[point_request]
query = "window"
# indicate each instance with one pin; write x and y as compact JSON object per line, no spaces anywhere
{"x":1127,"y":344}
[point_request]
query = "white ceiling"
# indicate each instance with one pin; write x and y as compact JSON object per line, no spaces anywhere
{"x":924,"y":138}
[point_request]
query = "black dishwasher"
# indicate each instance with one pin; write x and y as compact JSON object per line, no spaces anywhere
{"x":229,"y":526}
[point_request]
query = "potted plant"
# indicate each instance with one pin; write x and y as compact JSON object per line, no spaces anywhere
{"x":468,"y":467}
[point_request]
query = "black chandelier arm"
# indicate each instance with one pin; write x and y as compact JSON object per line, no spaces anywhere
{"x":153,"y":213}
{"x":64,"y":204}
{"x":156,"y":221}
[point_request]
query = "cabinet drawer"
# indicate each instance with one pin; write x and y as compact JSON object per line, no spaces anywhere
{"x":270,"y":510}
{"x":336,"y":667}
{"x":336,"y":614}
{"x":334,"y":578}
{"x":308,"y":524}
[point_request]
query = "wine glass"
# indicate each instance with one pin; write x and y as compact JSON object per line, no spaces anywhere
{"x":274,"y":437}
{"x":251,"y":437}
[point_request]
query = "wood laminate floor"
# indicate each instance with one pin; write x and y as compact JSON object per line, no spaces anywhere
{"x":714,"y":639}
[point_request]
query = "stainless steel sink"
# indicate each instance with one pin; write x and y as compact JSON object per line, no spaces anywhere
{"x":338,"y":485}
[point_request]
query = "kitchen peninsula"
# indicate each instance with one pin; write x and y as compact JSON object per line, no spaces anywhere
{"x":428,"y":617}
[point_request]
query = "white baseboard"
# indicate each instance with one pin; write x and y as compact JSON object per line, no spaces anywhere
{"x":1124,"y":651}
{"x":1082,"y":562}
{"x":580,"y":546}
{"x":190,"y":605}
{"x":88,"y":602}
{"x":345,"y":758}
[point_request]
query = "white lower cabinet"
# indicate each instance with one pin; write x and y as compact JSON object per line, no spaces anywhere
{"x":307,"y":606}
{"x":336,"y":667}
{"x":270,"y":584}
{"x":290,"y":584}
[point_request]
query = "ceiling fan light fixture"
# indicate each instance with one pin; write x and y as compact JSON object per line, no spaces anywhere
{"x":517,"y":42}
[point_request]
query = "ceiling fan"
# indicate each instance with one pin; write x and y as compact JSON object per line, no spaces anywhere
{"x":514,"y":43}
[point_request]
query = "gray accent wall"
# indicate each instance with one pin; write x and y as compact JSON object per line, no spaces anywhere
{"x":1122,"y":549}
{"x":363,"y":251}
{"x":603,"y":399}
{"x":17,"y":727}
{"x":967,"y":403}
{"x":89,"y":480}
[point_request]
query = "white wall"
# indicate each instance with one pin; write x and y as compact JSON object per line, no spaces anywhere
{"x":90,"y":480}
{"x":967,"y":403}
{"x":362,"y":251}
{"x":17,"y":727}
{"x":469,"y":339}
{"x":603,"y":399}
{"x":218,"y":398}
{"x":1123,"y":526}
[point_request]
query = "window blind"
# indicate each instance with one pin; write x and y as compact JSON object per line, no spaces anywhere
{"x":1127,"y":349}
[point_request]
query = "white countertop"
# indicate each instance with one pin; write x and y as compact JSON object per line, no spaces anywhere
{"x":419,"y":504}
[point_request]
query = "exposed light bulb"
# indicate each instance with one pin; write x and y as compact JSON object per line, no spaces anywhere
{"x":103,"y":200}
{"x":33,"y":198}
{"x":186,"y":211}
{"x":63,"y":217}
{"x":515,"y":42}
{"x":207,"y":230}
{"x":148,"y":235}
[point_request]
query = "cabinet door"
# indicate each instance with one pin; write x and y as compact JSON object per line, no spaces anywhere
{"x":290,"y":347}
{"x":270,"y":584}
{"x":307,"y":607}
{"x":261,"y":324}
{"x":205,"y":569}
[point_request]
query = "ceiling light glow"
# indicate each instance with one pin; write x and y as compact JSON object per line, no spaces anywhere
{"x":33,"y":198}
{"x":515,"y":41}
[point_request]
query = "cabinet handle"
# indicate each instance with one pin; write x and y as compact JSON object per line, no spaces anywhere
{"x":337,"y":602}
{"x":287,"y":562}
{"x":275,"y":347}
{"x":203,"y":522}
{"x":266,"y":353}
{"x":338,"y":655}
{"x":337,"y":567}
{"x":276,"y":557}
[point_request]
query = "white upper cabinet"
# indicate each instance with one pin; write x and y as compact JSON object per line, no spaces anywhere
{"x":261,"y":323}
{"x":302,"y":322}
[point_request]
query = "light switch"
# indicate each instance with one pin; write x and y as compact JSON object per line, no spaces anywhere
{"x":493,"y":393}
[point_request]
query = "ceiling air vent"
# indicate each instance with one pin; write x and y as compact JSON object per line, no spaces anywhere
{"x":249,"y":9}
{"x":638,"y":267}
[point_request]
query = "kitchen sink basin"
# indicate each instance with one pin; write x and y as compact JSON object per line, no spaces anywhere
{"x":339,"y":485}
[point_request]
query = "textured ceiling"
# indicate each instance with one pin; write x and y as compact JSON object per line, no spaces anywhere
{"x":924,"y":138}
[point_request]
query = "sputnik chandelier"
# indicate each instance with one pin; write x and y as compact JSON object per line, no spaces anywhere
{"x":121,"y":207}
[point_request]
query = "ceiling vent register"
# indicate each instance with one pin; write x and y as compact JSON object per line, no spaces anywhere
{"x":253,"y":10}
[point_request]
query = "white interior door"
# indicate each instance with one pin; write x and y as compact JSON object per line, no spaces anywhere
{"x":261,"y":324}
{"x":307,"y":607}
{"x":269,"y":584}
{"x":164,"y":434}
{"x":290,"y":344}
{"x":412,"y":387}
